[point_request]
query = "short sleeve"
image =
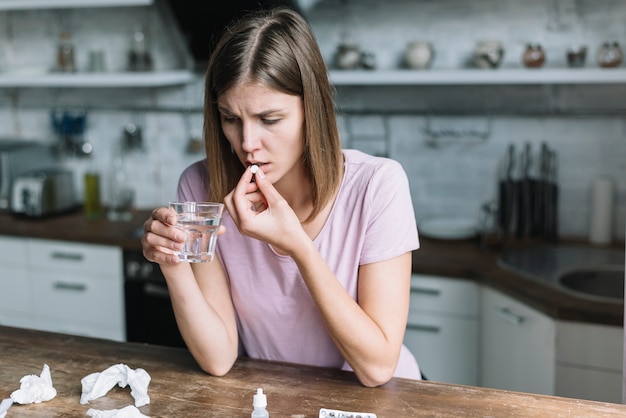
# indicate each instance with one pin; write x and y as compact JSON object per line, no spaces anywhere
{"x":193,"y":183}
{"x":391,"y":229}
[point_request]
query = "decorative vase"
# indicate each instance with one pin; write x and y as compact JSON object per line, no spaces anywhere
{"x":419,"y":55}
{"x":534,"y":56}
{"x":488,"y":54}
{"x":609,"y":55}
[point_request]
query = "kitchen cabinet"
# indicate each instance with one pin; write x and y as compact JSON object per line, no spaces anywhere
{"x":524,"y":350}
{"x":442,"y":328}
{"x":15,"y":283}
{"x":518,"y":345}
{"x":589,"y":361}
{"x":64,"y":287}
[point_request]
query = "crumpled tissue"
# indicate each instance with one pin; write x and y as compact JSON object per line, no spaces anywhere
{"x":4,"y":406}
{"x":98,"y":384}
{"x":35,"y":389}
{"x":128,"y":412}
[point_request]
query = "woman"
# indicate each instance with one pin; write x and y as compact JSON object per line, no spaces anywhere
{"x":315,"y":251}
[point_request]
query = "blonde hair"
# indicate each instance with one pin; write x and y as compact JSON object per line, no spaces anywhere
{"x":276,"y":48}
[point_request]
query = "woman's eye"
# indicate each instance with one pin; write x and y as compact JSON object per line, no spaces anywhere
{"x":229,"y":118}
{"x":270,"y":121}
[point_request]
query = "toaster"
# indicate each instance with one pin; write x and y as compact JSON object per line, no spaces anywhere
{"x":43,"y":192}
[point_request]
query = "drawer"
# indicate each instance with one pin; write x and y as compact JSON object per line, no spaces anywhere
{"x":446,"y":348}
{"x":444,"y":295}
{"x":584,"y":383}
{"x":590,"y":345}
{"x":78,"y":298}
{"x":13,"y":251}
{"x":15,"y":290}
{"x":88,"y":258}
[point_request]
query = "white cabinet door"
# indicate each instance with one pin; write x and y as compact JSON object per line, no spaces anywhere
{"x":15,"y":282}
{"x":446,"y":348}
{"x":442,"y":328}
{"x":589,"y":361}
{"x":518,"y":346}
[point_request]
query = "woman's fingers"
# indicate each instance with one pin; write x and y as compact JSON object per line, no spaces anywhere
{"x":161,"y":238}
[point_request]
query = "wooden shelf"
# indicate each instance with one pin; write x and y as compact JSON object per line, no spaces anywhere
{"x":66,"y":4}
{"x":88,"y":80}
{"x":479,"y":76}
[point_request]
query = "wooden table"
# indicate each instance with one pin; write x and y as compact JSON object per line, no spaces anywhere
{"x":180,"y":389}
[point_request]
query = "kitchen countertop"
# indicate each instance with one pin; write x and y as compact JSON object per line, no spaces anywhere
{"x":178,"y":388}
{"x":450,"y":258}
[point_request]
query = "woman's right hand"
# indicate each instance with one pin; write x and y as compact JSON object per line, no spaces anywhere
{"x":160,"y":238}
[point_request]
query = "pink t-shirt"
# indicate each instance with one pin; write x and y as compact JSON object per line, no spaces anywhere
{"x":371,"y":220}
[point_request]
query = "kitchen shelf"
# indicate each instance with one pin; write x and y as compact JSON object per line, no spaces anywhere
{"x":80,"y":80}
{"x":478,"y":76}
{"x":67,"y":4}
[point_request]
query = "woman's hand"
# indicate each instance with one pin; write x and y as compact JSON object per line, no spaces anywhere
{"x":259,"y":211}
{"x":161,"y":239}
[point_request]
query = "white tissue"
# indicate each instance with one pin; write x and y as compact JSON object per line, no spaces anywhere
{"x":4,"y":406}
{"x":35,"y":389}
{"x":127,"y":412}
{"x":97,"y":385}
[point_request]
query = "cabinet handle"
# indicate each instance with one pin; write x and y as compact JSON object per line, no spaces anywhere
{"x":154,"y":290}
{"x":507,"y":315}
{"x":74,"y":287}
{"x":67,"y":256}
{"x":425,"y":328}
{"x":426,"y":291}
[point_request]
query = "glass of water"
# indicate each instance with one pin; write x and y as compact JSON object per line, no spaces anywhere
{"x":200,"y":222}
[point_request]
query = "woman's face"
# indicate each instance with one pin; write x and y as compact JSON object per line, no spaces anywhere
{"x":265,"y":127}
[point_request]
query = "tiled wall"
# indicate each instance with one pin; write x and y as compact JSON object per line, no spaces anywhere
{"x":451,"y":159}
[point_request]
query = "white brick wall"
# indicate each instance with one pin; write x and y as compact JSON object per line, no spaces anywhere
{"x":452,"y":176}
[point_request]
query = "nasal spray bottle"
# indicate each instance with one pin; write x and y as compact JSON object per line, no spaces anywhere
{"x":259,"y":402}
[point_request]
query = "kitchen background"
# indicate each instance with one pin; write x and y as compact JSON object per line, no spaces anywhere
{"x":451,"y":139}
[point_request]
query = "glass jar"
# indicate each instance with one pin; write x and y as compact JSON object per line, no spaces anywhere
{"x":609,"y":55}
{"x":139,"y":58}
{"x":65,"y":54}
{"x":534,"y":56}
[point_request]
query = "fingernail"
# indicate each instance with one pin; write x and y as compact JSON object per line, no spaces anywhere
{"x":260,"y":173}
{"x":179,"y":236}
{"x":177,"y":246}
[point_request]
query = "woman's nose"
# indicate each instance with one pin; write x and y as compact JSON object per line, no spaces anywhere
{"x":250,"y":137}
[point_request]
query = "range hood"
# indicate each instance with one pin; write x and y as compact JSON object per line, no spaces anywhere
{"x":201,"y":21}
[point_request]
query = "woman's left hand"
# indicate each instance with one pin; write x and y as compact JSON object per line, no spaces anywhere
{"x":259,"y":211}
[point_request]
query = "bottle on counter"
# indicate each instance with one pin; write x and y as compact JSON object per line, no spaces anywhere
{"x":65,"y":53}
{"x":122,"y":195}
{"x":259,"y":402}
{"x":92,"y":204}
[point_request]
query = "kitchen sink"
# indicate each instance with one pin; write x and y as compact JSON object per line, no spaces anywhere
{"x":601,"y":282}
{"x":588,"y":272}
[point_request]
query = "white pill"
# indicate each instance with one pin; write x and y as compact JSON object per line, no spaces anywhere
{"x":254,"y":169}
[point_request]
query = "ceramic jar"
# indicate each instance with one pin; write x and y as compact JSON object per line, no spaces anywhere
{"x":576,"y":56}
{"x":348,"y":56}
{"x":488,"y":54}
{"x":419,"y":55}
{"x":534,"y":56}
{"x":609,"y":55}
